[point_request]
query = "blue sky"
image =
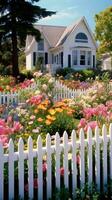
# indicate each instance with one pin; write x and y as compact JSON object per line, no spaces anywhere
{"x":69,"y":11}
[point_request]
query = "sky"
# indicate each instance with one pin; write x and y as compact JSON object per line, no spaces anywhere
{"x":68,"y":11}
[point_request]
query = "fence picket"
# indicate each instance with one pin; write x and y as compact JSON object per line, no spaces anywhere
{"x":48,"y":148}
{"x":82,"y":159}
{"x":74,"y":163}
{"x":104,"y":132}
{"x":11,"y":169}
{"x":1,"y":172}
{"x":90,"y":160}
{"x":97,"y":157}
{"x":57,"y":149}
{"x":39,"y":168}
{"x":30,"y":168}
{"x":65,"y":158}
{"x":21,"y":168}
{"x":110,"y":133}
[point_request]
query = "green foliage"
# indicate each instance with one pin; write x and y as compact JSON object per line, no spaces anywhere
{"x":104,"y":30}
{"x":63,"y":71}
{"x":17,"y":20}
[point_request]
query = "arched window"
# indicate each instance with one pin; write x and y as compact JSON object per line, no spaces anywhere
{"x":81,"y":37}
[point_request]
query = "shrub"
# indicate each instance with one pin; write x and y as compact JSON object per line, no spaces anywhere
{"x":64,"y":71}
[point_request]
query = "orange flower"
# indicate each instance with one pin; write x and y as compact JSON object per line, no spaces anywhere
{"x":42,"y":107}
{"x":49,"y":117}
{"x":52,"y":111}
{"x":39,"y":119}
{"x":35,"y":111}
{"x":48,"y":122}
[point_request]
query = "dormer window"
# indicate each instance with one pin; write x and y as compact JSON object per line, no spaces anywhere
{"x":81,"y":37}
{"x":41,"y":45}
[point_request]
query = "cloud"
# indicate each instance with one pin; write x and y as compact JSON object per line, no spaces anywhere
{"x":61,"y":14}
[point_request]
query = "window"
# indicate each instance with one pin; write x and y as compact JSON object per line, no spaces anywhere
{"x":82,"y":57}
{"x":41,"y":45}
{"x":74,"y":57}
{"x":34,"y":58}
{"x":81,"y":37}
{"x":89,"y":58}
{"x":52,"y":58}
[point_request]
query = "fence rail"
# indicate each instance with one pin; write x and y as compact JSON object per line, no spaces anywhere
{"x":94,"y":165}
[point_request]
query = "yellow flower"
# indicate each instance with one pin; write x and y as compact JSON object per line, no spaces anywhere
{"x":48,"y":122}
{"x":58,"y":110}
{"x":52,"y":111}
{"x":39,"y":119}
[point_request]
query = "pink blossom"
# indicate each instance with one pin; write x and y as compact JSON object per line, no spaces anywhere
{"x":78,"y":159}
{"x":2,"y":122}
{"x":44,"y":167}
{"x":62,"y":171}
{"x":92,"y":125}
{"x":35,"y":100}
{"x":4,"y":140}
{"x":16,"y":127}
{"x":82,"y":123}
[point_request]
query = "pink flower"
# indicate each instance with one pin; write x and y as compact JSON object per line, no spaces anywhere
{"x":2,"y":122}
{"x":92,"y":125}
{"x":62,"y":171}
{"x":78,"y":159}
{"x":82,"y":123}
{"x":3,"y":130}
{"x":16,"y":127}
{"x":44,"y":167}
{"x":4,"y":140}
{"x":35,"y":184}
{"x":9,"y":120}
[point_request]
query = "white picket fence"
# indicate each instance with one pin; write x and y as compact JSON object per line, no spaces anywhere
{"x":14,"y":97}
{"x":61,"y":91}
{"x":66,"y":147}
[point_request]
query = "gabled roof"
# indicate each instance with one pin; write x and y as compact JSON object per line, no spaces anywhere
{"x":71,"y":28}
{"x":66,"y":33}
{"x":51,"y":33}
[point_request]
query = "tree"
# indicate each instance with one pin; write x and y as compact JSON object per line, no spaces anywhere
{"x":103,"y":31}
{"x":17,"y":18}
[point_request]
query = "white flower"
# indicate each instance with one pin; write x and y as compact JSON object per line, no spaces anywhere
{"x":44,"y":87}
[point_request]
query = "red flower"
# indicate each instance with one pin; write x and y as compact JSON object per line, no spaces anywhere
{"x":62,"y":171}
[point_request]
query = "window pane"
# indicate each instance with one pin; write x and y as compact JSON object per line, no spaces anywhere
{"x":41,"y":45}
{"x":82,"y":57}
{"x":74,"y":57}
{"x":81,"y":37}
{"x":89,"y":58}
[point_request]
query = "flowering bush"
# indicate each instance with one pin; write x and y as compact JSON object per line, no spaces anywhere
{"x":7,"y":128}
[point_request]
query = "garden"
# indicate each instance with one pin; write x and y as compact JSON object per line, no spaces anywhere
{"x":38,"y":114}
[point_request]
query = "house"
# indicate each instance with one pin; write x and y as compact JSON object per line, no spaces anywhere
{"x":73,"y":46}
{"x":106,"y":62}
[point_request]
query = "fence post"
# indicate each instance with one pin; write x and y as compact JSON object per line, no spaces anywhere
{"x":65,"y":158}
{"x":49,"y":176}
{"x":39,"y":168}
{"x":21,"y":168}
{"x":1,"y":172}
{"x":30,"y":167}
{"x":104,"y":132}
{"x":110,"y":133}
{"x":11,"y":169}
{"x":97,"y":157}
{"x":57,"y":149}
{"x":82,"y":158}
{"x":74,"y":163}
{"x":90,"y":160}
